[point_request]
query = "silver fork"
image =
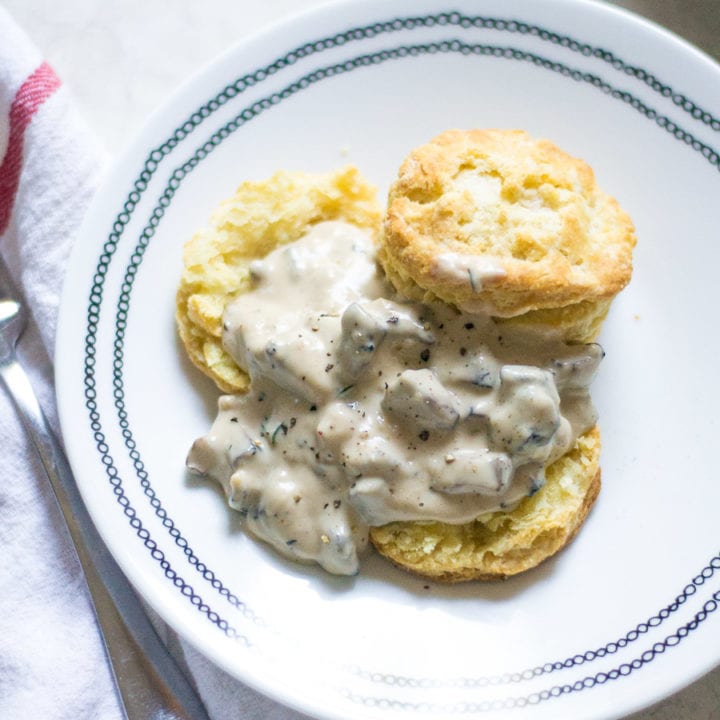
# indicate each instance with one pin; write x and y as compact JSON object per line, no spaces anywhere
{"x":151,"y":686}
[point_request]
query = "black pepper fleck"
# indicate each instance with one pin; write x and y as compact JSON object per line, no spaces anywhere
{"x":424,"y":435}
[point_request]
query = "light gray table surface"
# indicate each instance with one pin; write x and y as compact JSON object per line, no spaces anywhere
{"x":122,"y":58}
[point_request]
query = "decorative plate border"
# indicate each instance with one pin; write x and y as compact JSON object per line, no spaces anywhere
{"x":140,"y":185}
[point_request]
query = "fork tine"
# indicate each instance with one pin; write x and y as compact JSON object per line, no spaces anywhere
{"x":13,"y":316}
{"x":7,"y":287}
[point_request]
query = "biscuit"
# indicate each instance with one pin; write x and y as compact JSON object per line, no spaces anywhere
{"x":500,"y":544}
{"x":247,"y":226}
{"x":499,"y":222}
{"x":494,"y":221}
{"x":262,"y":215}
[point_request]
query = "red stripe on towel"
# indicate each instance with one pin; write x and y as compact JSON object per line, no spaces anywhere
{"x":30,"y":96}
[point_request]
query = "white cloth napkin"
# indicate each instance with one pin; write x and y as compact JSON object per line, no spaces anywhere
{"x":52,"y":664}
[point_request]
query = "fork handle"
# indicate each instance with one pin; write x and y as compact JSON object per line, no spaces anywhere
{"x":151,"y":685}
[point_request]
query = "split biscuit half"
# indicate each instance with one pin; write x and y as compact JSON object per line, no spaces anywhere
{"x":259,"y":217}
{"x":498,"y":222}
{"x":504,"y":543}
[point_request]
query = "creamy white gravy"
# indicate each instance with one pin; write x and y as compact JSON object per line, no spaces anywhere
{"x":472,"y":271}
{"x":364,"y":408}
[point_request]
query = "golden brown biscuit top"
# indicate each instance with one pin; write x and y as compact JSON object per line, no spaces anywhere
{"x":498,"y":221}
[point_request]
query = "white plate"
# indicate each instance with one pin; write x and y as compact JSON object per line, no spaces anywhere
{"x":624,"y":616}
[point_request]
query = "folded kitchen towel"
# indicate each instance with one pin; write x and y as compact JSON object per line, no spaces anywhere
{"x":52,"y":664}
